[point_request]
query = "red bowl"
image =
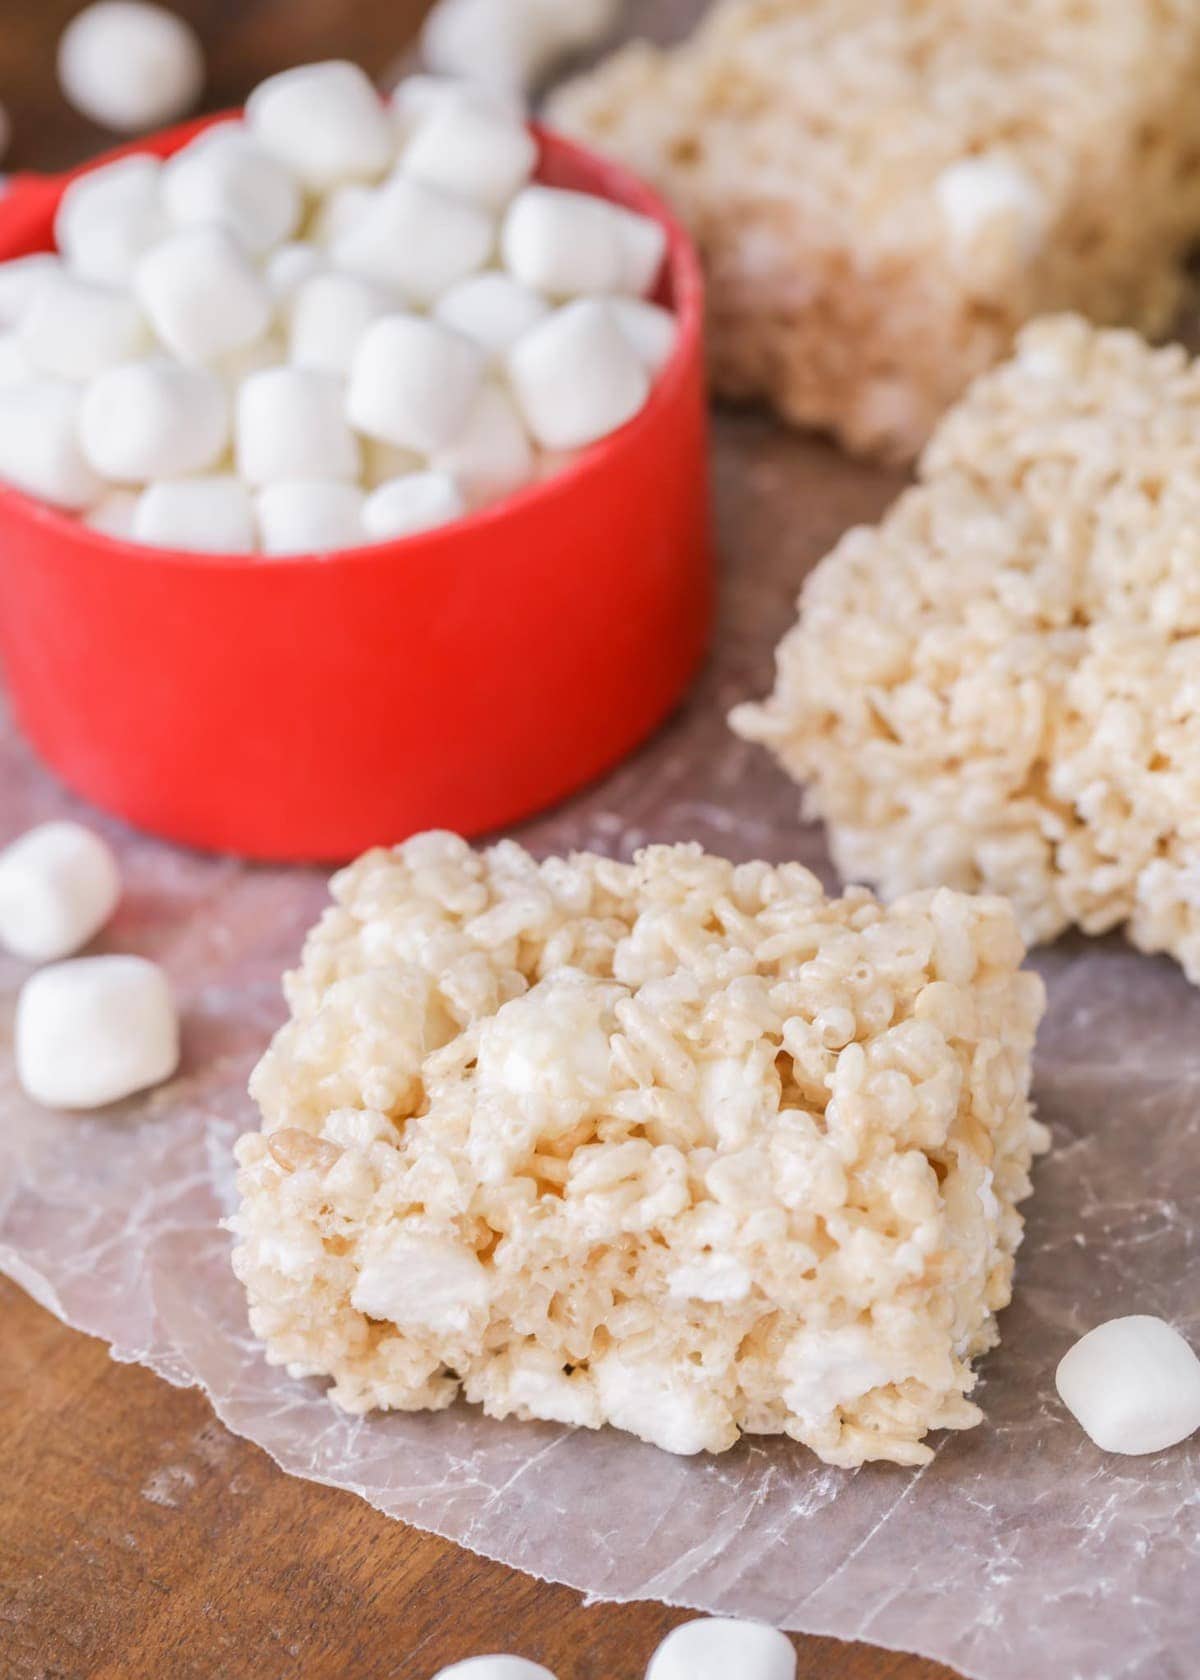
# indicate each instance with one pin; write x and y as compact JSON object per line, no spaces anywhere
{"x":306,"y":708}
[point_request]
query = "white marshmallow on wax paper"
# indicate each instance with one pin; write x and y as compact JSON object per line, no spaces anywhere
{"x":110,"y":217}
{"x":310,"y":516}
{"x":470,"y":149}
{"x":652,"y":331}
{"x":577,"y":378}
{"x":490,"y":455}
{"x":416,"y":502}
{"x":338,"y":212}
{"x":492,"y":309}
{"x":39,"y":444}
{"x":572,"y":244}
{"x":213,"y":515}
{"x":130,"y":66}
{"x":1133,"y":1384}
{"x":76,"y":328}
{"x":59,"y":884}
{"x":290,"y":424}
{"x":112,"y":516}
{"x":21,"y":279}
{"x":154,"y":419}
{"x":327,"y":317}
{"x":224,"y":178}
{"x":325,"y":121}
{"x":95,"y":1029}
{"x":413,"y":383}
{"x":718,"y":1648}
{"x":290,"y":265}
{"x":415,"y":240}
{"x":202,"y":294}
{"x":494,"y":1667}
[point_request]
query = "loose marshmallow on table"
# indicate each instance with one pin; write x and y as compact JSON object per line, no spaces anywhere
{"x":416,"y":502}
{"x":416,"y":240}
{"x":96,"y":1029}
{"x":494,"y":1668}
{"x":212,"y":515}
{"x":76,"y":328}
{"x":310,"y":516}
{"x":59,"y":884}
{"x":20,"y":281}
{"x":576,"y":378}
{"x":110,"y":217}
{"x":226,"y":179}
{"x":493,"y":309}
{"x":202,"y":294}
{"x":290,"y":424}
{"x":325,"y":121}
{"x":1133,"y":1384}
{"x":327,"y":317}
{"x":413,"y":382}
{"x":491,"y":456}
{"x":469,"y":148}
{"x":153,"y":419}
{"x":130,"y":66}
{"x":39,"y":444}
{"x":719,"y":1648}
{"x":652,"y":331}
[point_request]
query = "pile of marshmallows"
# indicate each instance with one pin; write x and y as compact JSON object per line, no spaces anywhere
{"x":332,"y":323}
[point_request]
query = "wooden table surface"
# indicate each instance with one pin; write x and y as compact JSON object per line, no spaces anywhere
{"x":138,"y":1539}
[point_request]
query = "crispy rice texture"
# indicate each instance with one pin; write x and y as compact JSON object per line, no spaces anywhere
{"x":677,"y":1146}
{"x":809,"y":144}
{"x":998,"y":688}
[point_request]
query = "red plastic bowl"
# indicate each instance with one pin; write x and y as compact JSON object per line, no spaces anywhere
{"x":307,"y":708}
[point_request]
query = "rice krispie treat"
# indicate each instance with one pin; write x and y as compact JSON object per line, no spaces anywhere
{"x":886,"y":189}
{"x":676,"y":1146}
{"x":998,"y":688}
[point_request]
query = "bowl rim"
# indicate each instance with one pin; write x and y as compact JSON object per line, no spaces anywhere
{"x":687,"y":286}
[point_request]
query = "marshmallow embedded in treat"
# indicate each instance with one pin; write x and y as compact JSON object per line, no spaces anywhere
{"x":21,"y":279}
{"x":327,"y":317}
{"x":74,"y":329}
{"x":413,"y":383}
{"x":202,"y":294}
{"x":415,"y":240}
{"x":1133,"y":1384}
{"x":224,"y":178}
{"x":576,"y":378}
{"x":470,"y":149}
{"x":290,"y":424}
{"x":415,"y":502}
{"x":153,"y":419}
{"x":95,"y":1029}
{"x":310,"y":516}
{"x":491,"y":309}
{"x":130,"y":66}
{"x":213,"y":515}
{"x":59,"y":884}
{"x":652,"y":331}
{"x":325,"y":122}
{"x":490,"y":456}
{"x":717,"y":1648}
{"x":109,"y":218}
{"x":39,"y":444}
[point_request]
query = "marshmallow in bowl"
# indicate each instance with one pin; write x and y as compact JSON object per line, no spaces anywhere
{"x":93,"y":1030}
{"x":202,"y":294}
{"x":108,"y":218}
{"x":290,"y":424}
{"x":325,"y":122}
{"x":225,"y":179}
{"x":491,"y":455}
{"x":213,"y":515}
{"x":153,"y":419}
{"x":577,"y":377}
{"x":75,"y":328}
{"x":413,"y":383}
{"x":328,"y":314}
{"x":310,"y":516}
{"x":415,"y":502}
{"x":59,"y":884}
{"x":493,"y":309}
{"x":468,"y":148}
{"x":415,"y":239}
{"x":39,"y":444}
{"x":20,"y":281}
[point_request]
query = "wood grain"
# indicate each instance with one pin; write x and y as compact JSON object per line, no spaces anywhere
{"x":138,"y":1539}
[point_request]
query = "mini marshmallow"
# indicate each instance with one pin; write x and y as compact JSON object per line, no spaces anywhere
{"x":226,"y":179}
{"x":413,"y":382}
{"x":130,"y":66}
{"x":652,"y":331}
{"x":1133,"y":1384}
{"x":501,"y":45}
{"x":238,"y":365}
{"x":76,"y":328}
{"x":576,"y":378}
{"x":416,"y":240}
{"x":20,"y":281}
{"x":59,"y":884}
{"x":325,"y":121}
{"x":290,"y":425}
{"x":494,"y":1668}
{"x":329,"y":314}
{"x":717,"y":1648}
{"x":492,"y":309}
{"x":643,"y":250}
{"x":490,"y":456}
{"x":212,"y":515}
{"x":39,"y":444}
{"x":338,"y":212}
{"x":94,"y":1030}
{"x":154,"y":419}
{"x":467,"y":148}
{"x":288,"y":267}
{"x":563,"y":243}
{"x":980,"y":196}
{"x":110,"y":217}
{"x":310,"y":516}
{"x":415,"y":99}
{"x":202,"y":294}
{"x":113,"y":515}
{"x":15,"y":366}
{"x":416,"y":502}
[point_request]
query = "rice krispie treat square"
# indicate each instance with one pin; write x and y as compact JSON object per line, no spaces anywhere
{"x":885,"y":190}
{"x":998,"y":688}
{"x":676,"y":1146}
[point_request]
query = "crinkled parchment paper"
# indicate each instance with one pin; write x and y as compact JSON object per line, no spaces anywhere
{"x":1020,"y":1553}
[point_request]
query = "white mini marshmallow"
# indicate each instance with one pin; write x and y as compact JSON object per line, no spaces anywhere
{"x":338,"y":212}
{"x":113,"y":514}
{"x":417,"y":502}
{"x":110,"y":217}
{"x":39,"y":444}
{"x":202,"y":294}
{"x":571,"y":244}
{"x":290,"y":266}
{"x":1133,"y":1384}
{"x":985,"y":195}
{"x":413,"y":383}
{"x":652,"y":331}
{"x":20,"y":281}
{"x":226,"y":179}
{"x":492,"y":309}
{"x":416,"y":240}
{"x":644,"y":249}
{"x":717,"y":1648}
{"x":576,"y":378}
{"x":212,"y":515}
{"x":328,"y":315}
{"x":490,"y":456}
{"x":94,"y":1030}
{"x":59,"y":884}
{"x":502,"y":45}
{"x":325,"y":121}
{"x":130,"y":66}
{"x":238,"y":365}
{"x":15,"y":366}
{"x":494,"y":1668}
{"x":77,"y":328}
{"x":290,"y":424}
{"x":310,"y":516}
{"x":154,"y":419}
{"x":417,"y":98}
{"x":468,"y":148}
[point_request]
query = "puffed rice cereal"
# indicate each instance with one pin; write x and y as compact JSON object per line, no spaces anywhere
{"x":678,"y":1146}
